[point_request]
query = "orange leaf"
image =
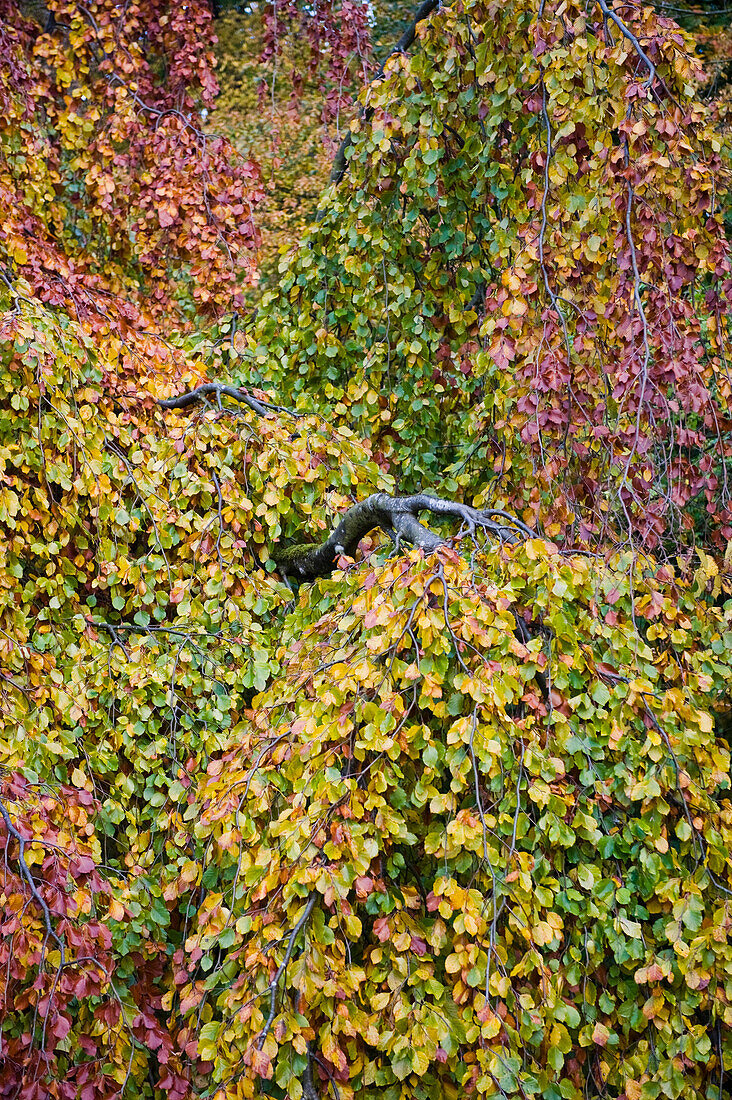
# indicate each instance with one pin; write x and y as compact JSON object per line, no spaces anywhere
{"x":261,"y":1064}
{"x":600,"y":1035}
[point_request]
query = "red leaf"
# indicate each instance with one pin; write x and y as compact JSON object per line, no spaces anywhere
{"x":381,"y":928}
{"x":261,"y":1064}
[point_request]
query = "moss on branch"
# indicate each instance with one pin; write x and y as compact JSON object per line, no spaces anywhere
{"x":398,"y":517}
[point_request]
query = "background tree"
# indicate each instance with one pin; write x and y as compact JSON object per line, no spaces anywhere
{"x":271,"y":108}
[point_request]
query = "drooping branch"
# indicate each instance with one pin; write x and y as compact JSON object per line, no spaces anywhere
{"x":274,"y":984}
{"x":425,"y":9}
{"x":627,"y":33}
{"x":26,"y":874}
{"x":398,"y":517}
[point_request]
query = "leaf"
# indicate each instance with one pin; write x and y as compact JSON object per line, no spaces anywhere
{"x":262,"y":1064}
{"x":600,"y":1035}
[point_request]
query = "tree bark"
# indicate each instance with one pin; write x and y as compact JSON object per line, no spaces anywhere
{"x":219,"y":390}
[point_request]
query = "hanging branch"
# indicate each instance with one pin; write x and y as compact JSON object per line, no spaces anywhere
{"x":627,"y":32}
{"x":274,"y":984}
{"x":425,"y":9}
{"x":26,"y":874}
{"x":398,"y":517}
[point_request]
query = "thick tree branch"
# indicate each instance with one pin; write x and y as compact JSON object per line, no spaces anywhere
{"x":398,"y":516}
{"x":219,"y":390}
{"x":425,"y":9}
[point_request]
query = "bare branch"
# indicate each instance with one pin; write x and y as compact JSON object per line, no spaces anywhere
{"x":398,"y":517}
{"x":627,"y":32}
{"x":219,"y":390}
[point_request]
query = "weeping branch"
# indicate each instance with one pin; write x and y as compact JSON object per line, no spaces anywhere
{"x":398,"y":517}
{"x":274,"y":984}
{"x":627,"y":33}
{"x":425,"y":9}
{"x":25,"y":873}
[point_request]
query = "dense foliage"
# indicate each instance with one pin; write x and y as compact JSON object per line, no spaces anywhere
{"x":533,"y":176}
{"x":447,"y":819}
{"x":107,"y":173}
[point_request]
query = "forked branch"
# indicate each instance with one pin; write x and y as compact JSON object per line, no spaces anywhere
{"x":398,"y":517}
{"x":26,"y":874}
{"x":218,"y":390}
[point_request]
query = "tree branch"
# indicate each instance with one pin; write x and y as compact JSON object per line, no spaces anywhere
{"x":626,"y":31}
{"x":425,"y":9}
{"x":397,"y":516}
{"x":274,"y":984}
{"x":30,"y":881}
{"x":219,"y":390}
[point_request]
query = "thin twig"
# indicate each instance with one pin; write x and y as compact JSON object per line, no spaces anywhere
{"x":627,"y":32}
{"x":26,"y":873}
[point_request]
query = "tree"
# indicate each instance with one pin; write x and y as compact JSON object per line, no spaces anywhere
{"x":272,"y":111}
{"x":315,"y":787}
{"x":536,"y":182}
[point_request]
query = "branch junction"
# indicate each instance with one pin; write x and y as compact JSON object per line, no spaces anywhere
{"x":398,"y":517}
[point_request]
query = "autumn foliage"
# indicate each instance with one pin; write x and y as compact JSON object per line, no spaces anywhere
{"x":512,"y":280}
{"x":436,"y":824}
{"x":108,"y":175}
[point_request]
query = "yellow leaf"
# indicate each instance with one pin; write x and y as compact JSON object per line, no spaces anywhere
{"x":600,"y":1035}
